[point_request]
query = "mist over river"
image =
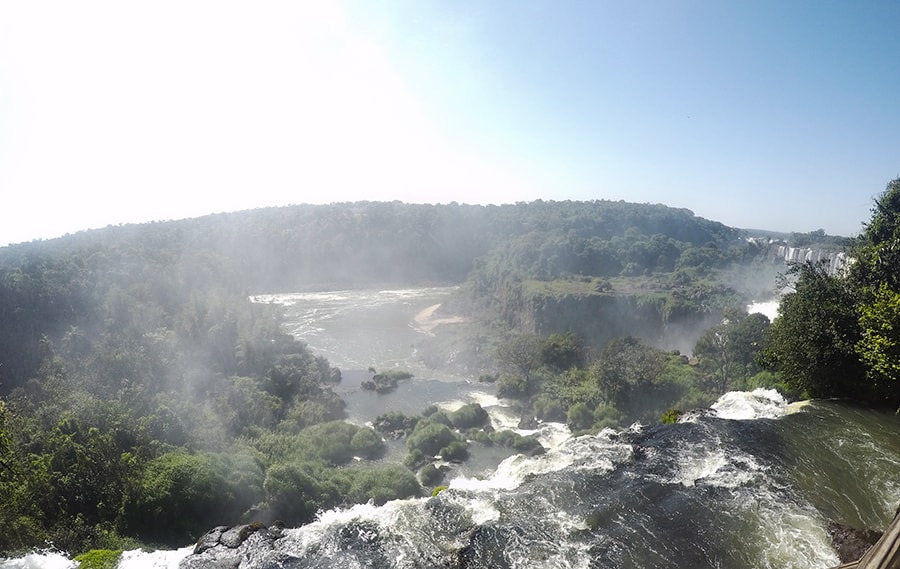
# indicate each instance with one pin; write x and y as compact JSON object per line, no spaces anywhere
{"x":361,"y":329}
{"x":752,"y":482}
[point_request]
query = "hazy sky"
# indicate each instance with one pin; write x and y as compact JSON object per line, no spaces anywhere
{"x":772,"y":114}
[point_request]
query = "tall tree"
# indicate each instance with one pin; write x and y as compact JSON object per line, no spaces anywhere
{"x":812,"y":342}
{"x":728,"y":350}
{"x":876,"y":275}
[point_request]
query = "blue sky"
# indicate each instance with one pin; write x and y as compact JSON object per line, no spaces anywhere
{"x":760,"y":114}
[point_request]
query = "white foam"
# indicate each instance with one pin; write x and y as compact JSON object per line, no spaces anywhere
{"x":767,"y":308}
{"x":47,"y":559}
{"x":758,"y":404}
{"x":161,"y":559}
{"x":595,"y":452}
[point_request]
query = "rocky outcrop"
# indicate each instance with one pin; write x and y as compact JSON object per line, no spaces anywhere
{"x":851,"y":543}
{"x":226,"y":547}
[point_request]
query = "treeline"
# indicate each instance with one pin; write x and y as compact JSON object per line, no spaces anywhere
{"x":839,"y":335}
{"x":286,"y":248}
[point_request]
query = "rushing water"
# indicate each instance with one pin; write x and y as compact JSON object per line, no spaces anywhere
{"x":750,"y":483}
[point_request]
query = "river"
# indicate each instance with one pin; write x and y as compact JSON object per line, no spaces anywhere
{"x":750,"y":483}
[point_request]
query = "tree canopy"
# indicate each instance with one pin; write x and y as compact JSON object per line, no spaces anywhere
{"x":839,"y":335}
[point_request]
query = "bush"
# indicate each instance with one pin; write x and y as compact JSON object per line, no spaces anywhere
{"x":382,"y":484}
{"x":430,"y":439}
{"x":434,"y":415}
{"x":99,"y":559}
{"x":394,"y":421}
{"x":512,"y":386}
{"x":516,"y":441}
{"x":429,"y":475}
{"x":457,"y":451}
{"x":579,"y":417}
{"x":337,"y":442}
{"x":671,"y":416}
{"x":181,"y":495}
{"x":547,"y":409}
{"x":414,"y":459}
{"x":468,"y":416}
{"x":295,"y":492}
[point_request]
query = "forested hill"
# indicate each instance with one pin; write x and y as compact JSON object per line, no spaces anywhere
{"x":356,"y":243}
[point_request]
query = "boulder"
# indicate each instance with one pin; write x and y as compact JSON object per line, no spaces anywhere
{"x":224,"y":547}
{"x":851,"y":543}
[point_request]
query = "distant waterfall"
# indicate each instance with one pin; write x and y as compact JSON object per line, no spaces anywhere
{"x":836,"y":261}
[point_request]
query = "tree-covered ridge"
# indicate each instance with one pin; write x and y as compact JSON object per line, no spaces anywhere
{"x":306,"y":245}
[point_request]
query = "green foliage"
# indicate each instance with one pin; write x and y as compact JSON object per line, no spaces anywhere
{"x":627,"y":370}
{"x":394,"y":421}
{"x":99,"y":559}
{"x":295,"y":491}
{"x":468,"y":416}
{"x":579,"y":417}
{"x":512,"y":386}
{"x":670,"y":416}
{"x":382,"y":484}
{"x":729,"y":351}
{"x":337,"y":442}
{"x":837,"y":335}
{"x":548,"y":409}
{"x":183,"y":494}
{"x":429,"y":438}
{"x":812,"y":342}
{"x":562,"y":352}
{"x":516,"y":441}
{"x":429,"y":475}
{"x":455,"y":451}
{"x":879,"y":346}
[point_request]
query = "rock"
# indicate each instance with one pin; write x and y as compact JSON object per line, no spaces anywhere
{"x":851,"y":543}
{"x":528,"y":421}
{"x":224,"y":547}
{"x":210,"y":539}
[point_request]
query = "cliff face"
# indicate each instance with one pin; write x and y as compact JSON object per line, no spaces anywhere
{"x":599,"y":318}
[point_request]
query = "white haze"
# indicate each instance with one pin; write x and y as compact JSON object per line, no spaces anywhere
{"x":117,"y":112}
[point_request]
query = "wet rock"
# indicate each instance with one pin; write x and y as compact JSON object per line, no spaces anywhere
{"x":224,"y":547}
{"x":850,"y":543}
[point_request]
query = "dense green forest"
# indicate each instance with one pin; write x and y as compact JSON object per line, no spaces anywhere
{"x":144,"y":398}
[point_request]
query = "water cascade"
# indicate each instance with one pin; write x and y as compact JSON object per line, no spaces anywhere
{"x":752,"y":482}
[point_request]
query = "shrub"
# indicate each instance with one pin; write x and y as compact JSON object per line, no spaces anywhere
{"x":382,"y":484}
{"x":99,"y":559}
{"x":671,"y":416}
{"x":579,"y":417}
{"x":429,"y":475}
{"x":338,"y":442}
{"x":512,"y":386}
{"x":431,"y":438}
{"x":547,"y":409}
{"x":394,"y":421}
{"x":516,"y":441}
{"x":294,"y":492}
{"x":456,"y":451}
{"x":468,"y":416}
